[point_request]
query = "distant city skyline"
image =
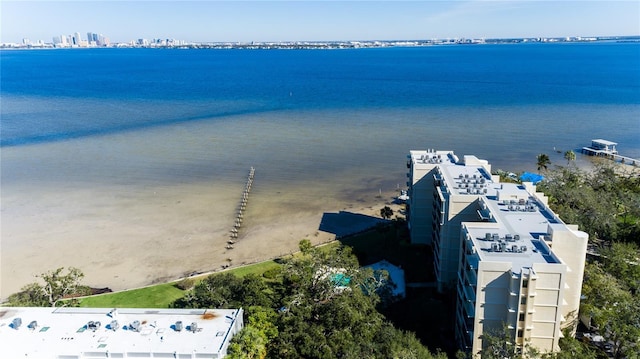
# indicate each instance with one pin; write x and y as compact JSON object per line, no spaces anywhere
{"x":278,"y":21}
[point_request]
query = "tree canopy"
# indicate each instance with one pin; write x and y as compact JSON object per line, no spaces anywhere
{"x":604,"y":202}
{"x":315,"y":308}
{"x":56,"y":286}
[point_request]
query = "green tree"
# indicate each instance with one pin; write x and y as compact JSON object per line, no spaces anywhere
{"x":570,"y":156}
{"x":604,"y":202}
{"x":56,"y":286}
{"x":543,"y":161}
{"x":253,"y":339}
{"x":386,"y":212}
{"x":31,"y":295}
{"x":498,"y":343}
{"x":571,"y":348}
{"x":613,"y":309}
{"x":226,"y":290}
{"x":315,"y":307}
{"x":622,"y":260}
{"x":250,"y":343}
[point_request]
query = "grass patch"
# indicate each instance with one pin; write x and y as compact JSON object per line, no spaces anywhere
{"x":161,"y":295}
{"x":257,"y":269}
{"x":157,"y":296}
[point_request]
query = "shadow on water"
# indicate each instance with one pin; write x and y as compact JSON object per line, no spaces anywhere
{"x":114,"y":129}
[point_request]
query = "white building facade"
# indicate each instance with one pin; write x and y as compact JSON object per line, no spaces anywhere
{"x":510,"y":259}
{"x":79,"y":333}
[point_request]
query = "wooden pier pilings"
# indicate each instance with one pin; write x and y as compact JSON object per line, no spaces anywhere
{"x":233,"y":236}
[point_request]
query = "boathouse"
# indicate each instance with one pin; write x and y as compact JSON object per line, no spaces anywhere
{"x":601,"y":147}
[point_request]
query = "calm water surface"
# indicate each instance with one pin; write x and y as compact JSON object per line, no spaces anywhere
{"x":316,"y":124}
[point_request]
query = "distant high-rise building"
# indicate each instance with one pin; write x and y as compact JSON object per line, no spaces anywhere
{"x":95,"y":39}
{"x":76,"y":39}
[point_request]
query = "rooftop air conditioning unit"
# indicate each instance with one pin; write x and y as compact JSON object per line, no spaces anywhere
{"x":135,"y":326}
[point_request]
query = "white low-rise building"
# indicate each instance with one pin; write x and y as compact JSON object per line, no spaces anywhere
{"x":78,"y":333}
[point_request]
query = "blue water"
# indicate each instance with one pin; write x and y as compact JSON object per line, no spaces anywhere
{"x":223,"y":83}
{"x":319,"y":111}
{"x":141,"y":155}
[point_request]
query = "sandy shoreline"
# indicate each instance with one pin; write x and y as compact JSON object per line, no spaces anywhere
{"x":125,"y":238}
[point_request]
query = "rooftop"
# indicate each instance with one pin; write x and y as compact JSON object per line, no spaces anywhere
{"x":515,"y":233}
{"x":603,"y":142}
{"x":105,"y":332}
{"x":512,"y":223}
{"x":469,"y":176}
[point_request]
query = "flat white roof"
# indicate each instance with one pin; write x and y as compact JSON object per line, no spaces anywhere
{"x":604,"y":142}
{"x":516,"y":231}
{"x":462,"y":177}
{"x":98,"y":332}
{"x":515,"y":220}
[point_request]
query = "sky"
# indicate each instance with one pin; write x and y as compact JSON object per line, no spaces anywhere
{"x":273,"y":21}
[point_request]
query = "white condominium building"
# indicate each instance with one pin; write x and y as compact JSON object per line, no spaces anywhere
{"x":79,"y":333}
{"x":510,"y":259}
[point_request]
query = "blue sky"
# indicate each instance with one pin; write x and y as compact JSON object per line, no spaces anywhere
{"x":202,"y":21}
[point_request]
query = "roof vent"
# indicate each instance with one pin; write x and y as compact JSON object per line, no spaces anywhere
{"x":114,"y":325}
{"x":135,"y":326}
{"x":93,"y":325}
{"x":194,"y":327}
{"x":16,"y":323}
{"x":33,"y":325}
{"x":178,"y":326}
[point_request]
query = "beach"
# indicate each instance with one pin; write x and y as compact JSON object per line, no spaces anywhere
{"x":121,"y":238}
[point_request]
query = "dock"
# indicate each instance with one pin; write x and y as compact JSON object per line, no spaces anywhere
{"x":607,"y":149}
{"x":233,"y":236}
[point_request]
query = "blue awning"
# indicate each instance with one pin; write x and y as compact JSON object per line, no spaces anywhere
{"x":531,"y":177}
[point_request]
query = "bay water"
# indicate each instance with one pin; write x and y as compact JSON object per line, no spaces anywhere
{"x":129,"y":163}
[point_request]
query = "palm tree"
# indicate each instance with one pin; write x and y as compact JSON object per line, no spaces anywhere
{"x":570,"y":156}
{"x":543,"y":161}
{"x":386,"y":212}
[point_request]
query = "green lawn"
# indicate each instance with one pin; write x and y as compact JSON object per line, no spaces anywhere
{"x":161,"y":295}
{"x":257,"y":268}
{"x":157,"y":296}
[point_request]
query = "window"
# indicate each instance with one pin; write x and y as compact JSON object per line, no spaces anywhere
{"x":521,"y":317}
{"x":523,"y":300}
{"x":520,"y":333}
{"x":525,"y":283}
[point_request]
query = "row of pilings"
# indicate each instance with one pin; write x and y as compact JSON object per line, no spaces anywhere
{"x":243,"y":205}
